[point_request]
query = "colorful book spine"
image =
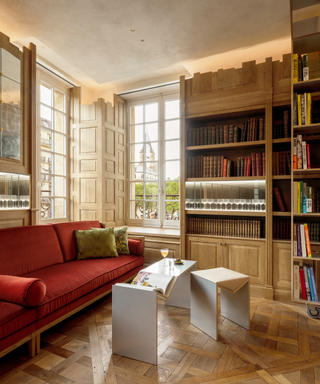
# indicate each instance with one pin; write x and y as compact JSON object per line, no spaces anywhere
{"x":308,"y":245}
{"x":299,"y":108}
{"x":304,"y":155}
{"x":308,"y":156}
{"x":294,"y":156}
{"x":295,"y":245}
{"x":296,"y":281}
{"x":303,"y":241}
{"x":302,"y":284}
{"x":309,"y":108}
{"x":306,"y":281}
{"x":298,"y":241}
{"x":305,"y":66}
{"x":298,"y":197}
{"x":295,"y":67}
{"x":310,"y":284}
{"x":314,"y":284}
{"x":299,"y":151}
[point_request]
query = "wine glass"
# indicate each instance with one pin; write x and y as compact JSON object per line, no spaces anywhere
{"x":164,"y":253}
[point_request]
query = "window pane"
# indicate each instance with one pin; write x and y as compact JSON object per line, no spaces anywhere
{"x":137,"y":134}
{"x":172,"y":170}
{"x":10,"y":92}
{"x":136,"y":209}
{"x":151,"y":151}
{"x":172,"y":150}
{"x":172,"y":109}
{"x":136,"y":171}
{"x":136,"y":191}
{"x":59,"y":101}
{"x":59,"y":208}
{"x":137,"y":152}
{"x":45,"y":117}
{"x":46,"y":94}
{"x":151,"y":172}
{"x":46,"y":162}
{"x":172,"y":190}
{"x":59,"y":186}
{"x":59,"y":165}
{"x":151,"y":112}
{"x":172,"y":129}
{"x":151,"y":191}
{"x":136,"y":114}
{"x":172,"y":211}
{"x":59,"y":122}
{"x":59,"y":143}
{"x":46,"y":182}
{"x":151,"y":132}
{"x":46,"y":140}
{"x":151,"y":210}
{"x":46,"y":208}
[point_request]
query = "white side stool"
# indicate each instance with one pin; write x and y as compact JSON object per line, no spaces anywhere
{"x":235,"y":299}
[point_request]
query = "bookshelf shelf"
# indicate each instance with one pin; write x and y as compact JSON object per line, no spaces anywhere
{"x":307,"y":86}
{"x":277,"y":213}
{"x":306,"y":214}
{"x":224,"y":212}
{"x":305,"y":259}
{"x":226,"y":237}
{"x":245,"y":144}
{"x":232,"y":178}
{"x":306,"y":129}
{"x":281,"y":177}
{"x":281,"y":141}
{"x":305,"y":173}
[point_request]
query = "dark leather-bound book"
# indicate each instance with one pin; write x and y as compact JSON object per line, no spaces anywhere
{"x":205,"y":135}
{"x":213,"y":135}
{"x":253,"y":162}
{"x":201,"y":136}
{"x":259,"y":164}
{"x":279,"y":199}
{"x":231,"y":135}
{"x":261,"y":128}
{"x":286,"y":123}
{"x":194,"y":137}
{"x":226,"y":133}
{"x":218,"y":134}
{"x":198,"y":137}
{"x":209,"y":133}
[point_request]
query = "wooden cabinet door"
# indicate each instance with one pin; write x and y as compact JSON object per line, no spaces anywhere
{"x":205,"y":251}
{"x":248,"y":257}
{"x":282,"y":266}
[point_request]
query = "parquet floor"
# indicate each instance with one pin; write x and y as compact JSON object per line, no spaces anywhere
{"x":283,"y":346}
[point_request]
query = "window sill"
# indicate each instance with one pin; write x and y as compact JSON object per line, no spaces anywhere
{"x":154,"y":231}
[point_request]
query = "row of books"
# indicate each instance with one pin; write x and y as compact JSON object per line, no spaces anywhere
{"x":302,"y":108}
{"x":306,"y":199}
{"x":313,"y":229}
{"x":251,"y":130}
{"x":209,"y":166}
{"x":281,"y":127}
{"x":254,"y":165}
{"x":301,"y":153}
{"x":281,"y":228}
{"x":226,"y":227}
{"x":281,"y":163}
{"x":304,"y":277}
{"x":301,"y":240}
{"x":300,"y":67}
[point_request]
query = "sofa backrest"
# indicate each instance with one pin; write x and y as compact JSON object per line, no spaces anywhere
{"x":66,"y":236}
{"x":27,"y":249}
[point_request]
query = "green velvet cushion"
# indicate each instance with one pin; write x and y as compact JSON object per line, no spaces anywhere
{"x":95,"y":243}
{"x":122,"y":240}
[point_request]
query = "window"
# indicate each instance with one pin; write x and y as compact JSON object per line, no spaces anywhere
{"x":154,"y":166}
{"x":53,"y":150}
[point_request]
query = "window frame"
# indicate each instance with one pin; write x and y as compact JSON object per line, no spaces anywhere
{"x":160,"y":222}
{"x":57,"y":84}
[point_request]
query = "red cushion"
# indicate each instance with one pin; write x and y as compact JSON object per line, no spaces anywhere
{"x":136,"y":247}
{"x":69,"y":281}
{"x":14,"y":317}
{"x":66,"y":236}
{"x":26,"y":249}
{"x":22,"y":290}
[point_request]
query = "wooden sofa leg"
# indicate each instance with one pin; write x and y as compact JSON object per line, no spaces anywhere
{"x":32,"y":346}
{"x":38,"y":341}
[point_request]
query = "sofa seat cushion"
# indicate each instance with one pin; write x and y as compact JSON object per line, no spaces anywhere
{"x":14,"y":317}
{"x":66,"y":283}
{"x":65,"y":233}
{"x":27,"y":249}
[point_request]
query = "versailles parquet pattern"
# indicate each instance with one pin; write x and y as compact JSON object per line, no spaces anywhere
{"x":283,"y":346}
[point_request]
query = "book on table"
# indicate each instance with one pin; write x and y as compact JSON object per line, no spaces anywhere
{"x":158,"y":282}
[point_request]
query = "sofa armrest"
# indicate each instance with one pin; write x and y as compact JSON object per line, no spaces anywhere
{"x":141,"y":238}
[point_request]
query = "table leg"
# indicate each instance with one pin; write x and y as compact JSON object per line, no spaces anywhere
{"x":236,"y":306}
{"x":180,"y":295}
{"x":134,"y":323}
{"x":204,"y":306}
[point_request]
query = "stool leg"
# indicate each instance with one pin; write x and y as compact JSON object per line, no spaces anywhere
{"x":236,"y":306}
{"x":204,"y":306}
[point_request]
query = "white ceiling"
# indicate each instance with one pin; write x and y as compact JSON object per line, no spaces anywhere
{"x":91,"y":40}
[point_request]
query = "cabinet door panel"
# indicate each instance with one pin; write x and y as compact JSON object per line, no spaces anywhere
{"x":248,"y":259}
{"x":204,"y":253}
{"x":281,"y":265}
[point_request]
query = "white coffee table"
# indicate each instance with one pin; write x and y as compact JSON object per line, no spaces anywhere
{"x":235,"y":299}
{"x":135,"y":309}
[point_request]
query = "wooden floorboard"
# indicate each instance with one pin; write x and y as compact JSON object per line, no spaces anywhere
{"x":282,"y":346}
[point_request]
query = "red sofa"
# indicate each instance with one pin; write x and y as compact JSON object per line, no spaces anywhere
{"x":48,"y":252}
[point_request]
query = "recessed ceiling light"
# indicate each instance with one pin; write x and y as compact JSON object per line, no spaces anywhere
{"x":142,"y":40}
{"x":132,"y":30}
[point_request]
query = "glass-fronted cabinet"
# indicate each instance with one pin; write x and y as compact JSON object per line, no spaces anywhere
{"x":10,"y":105}
{"x":14,"y":191}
